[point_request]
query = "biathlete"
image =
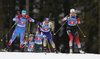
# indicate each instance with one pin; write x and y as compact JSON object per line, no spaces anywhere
{"x":20,"y":28}
{"x":73,"y":20}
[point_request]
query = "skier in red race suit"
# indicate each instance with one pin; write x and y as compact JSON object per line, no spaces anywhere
{"x":73,"y":20}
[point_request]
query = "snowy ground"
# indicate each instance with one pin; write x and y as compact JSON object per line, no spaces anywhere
{"x":19,"y":55}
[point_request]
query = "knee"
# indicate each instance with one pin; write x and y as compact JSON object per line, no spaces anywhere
{"x":77,"y":37}
{"x":44,"y":36}
{"x":51,"y":40}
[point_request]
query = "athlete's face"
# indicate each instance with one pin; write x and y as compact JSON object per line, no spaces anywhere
{"x":46,"y":22}
{"x":31,"y":39}
{"x":23,"y":15}
{"x":72,"y":13}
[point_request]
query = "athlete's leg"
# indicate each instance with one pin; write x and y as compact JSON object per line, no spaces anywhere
{"x":71,"y":37}
{"x":14,"y":35}
{"x":77,"y":39}
{"x":71,"y":40}
{"x":50,"y":39}
{"x":40,"y":48}
{"x":44,"y":41}
{"x":22,"y":34}
{"x":78,"y":42}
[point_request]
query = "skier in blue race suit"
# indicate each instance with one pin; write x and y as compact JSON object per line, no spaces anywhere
{"x":20,"y":28}
{"x":47,"y":29}
{"x":38,"y":42}
{"x":30,"y":43}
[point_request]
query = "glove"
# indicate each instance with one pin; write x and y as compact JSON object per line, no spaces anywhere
{"x":17,"y":20}
{"x":40,"y":28}
{"x":52,"y":33}
{"x":64,"y":19}
{"x":78,"y":22}
{"x":30,"y":20}
{"x":38,"y":31}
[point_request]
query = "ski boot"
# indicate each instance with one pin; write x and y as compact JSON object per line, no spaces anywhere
{"x":21,"y":50}
{"x":44,"y":50}
{"x":6,"y":49}
{"x":82,"y":52}
{"x":71,"y":51}
{"x":56,"y":51}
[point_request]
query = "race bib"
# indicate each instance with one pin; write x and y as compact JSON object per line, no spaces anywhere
{"x":38,"y":38}
{"x":72,"y":21}
{"x":31,"y":46}
{"x":45,"y":29}
{"x":22,"y":22}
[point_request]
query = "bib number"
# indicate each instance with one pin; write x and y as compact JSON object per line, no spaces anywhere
{"x":38,"y":38}
{"x":45,"y":29}
{"x":31,"y":46}
{"x":22,"y":22}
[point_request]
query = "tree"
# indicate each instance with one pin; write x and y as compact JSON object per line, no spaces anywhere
{"x":2,"y":20}
{"x":99,"y":26}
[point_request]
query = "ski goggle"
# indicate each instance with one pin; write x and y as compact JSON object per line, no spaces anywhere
{"x":46,"y":21}
{"x":23,"y":13}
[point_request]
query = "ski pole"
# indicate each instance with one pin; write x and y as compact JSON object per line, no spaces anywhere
{"x":50,"y":15}
{"x":81,"y":30}
{"x":59,"y":28}
{"x":48,"y":46}
{"x":9,"y":31}
{"x":27,"y":36}
{"x":29,"y":27}
{"x":28,"y":33}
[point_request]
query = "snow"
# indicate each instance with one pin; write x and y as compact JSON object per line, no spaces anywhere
{"x":29,"y":55}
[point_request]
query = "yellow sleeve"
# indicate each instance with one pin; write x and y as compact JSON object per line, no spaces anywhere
{"x":43,"y":23}
{"x":52,"y":26}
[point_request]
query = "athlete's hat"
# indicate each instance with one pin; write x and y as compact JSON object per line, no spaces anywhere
{"x":24,"y":12}
{"x":72,"y":10}
{"x":46,"y":19}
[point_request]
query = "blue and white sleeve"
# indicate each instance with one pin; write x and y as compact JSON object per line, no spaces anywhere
{"x":14,"y":19}
{"x":32,"y":20}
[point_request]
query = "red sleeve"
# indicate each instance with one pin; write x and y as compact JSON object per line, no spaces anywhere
{"x":19,"y":16}
{"x":28,"y":17}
